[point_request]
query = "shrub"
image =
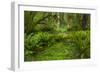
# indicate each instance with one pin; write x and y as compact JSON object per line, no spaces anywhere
{"x":50,"y":46}
{"x":82,"y":41}
{"x":35,"y":43}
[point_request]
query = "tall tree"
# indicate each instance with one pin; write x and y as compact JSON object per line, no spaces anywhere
{"x":84,"y":21}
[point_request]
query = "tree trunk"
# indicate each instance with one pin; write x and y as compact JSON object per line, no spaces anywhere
{"x":84,"y":21}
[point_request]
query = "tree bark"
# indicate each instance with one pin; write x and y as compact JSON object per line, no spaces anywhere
{"x":84,"y":21}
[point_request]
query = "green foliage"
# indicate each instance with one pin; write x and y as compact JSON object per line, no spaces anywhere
{"x":57,"y":51}
{"x":56,"y":36}
{"x":82,"y":41}
{"x":47,"y":46}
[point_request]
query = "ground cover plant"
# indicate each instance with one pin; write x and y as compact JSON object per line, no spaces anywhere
{"x":56,"y":36}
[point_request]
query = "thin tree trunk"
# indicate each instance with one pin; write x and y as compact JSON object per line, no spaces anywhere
{"x":84,"y":21}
